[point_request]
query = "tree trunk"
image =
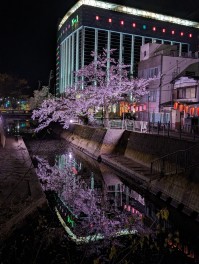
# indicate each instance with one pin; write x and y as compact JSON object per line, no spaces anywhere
{"x":106,"y":117}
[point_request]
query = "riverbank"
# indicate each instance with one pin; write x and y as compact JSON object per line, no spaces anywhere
{"x":41,"y":239}
{"x":132,"y":153}
{"x":21,"y":195}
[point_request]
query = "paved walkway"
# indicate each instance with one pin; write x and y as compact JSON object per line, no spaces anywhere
{"x":20,"y":191}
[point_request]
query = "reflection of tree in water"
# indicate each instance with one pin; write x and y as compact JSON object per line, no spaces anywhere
{"x":161,"y":245}
{"x":81,"y":198}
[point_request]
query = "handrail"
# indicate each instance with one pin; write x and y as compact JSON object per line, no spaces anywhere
{"x":173,"y":162}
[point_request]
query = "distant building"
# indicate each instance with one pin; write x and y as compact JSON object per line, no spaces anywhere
{"x":186,"y":101}
{"x":164,"y":64}
{"x":92,"y":25}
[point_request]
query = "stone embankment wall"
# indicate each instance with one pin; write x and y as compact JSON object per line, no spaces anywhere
{"x":93,"y":141}
{"x":138,"y":146}
{"x":180,"y":191}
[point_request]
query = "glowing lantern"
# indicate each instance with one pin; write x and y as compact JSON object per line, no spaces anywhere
{"x":175,"y":105}
{"x":192,"y":111}
{"x":181,"y":108}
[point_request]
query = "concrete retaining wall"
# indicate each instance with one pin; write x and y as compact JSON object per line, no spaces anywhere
{"x":181,"y":190}
{"x":95,"y":141}
{"x":146,"y":147}
{"x":141,"y":147}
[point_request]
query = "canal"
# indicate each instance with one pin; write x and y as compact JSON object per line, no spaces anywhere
{"x":107,"y":219}
{"x":125,"y":222}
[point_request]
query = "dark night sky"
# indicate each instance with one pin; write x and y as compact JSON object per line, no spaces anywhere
{"x":28,"y":32}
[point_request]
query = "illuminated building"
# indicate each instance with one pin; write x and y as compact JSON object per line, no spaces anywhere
{"x":93,"y":25}
{"x":165,"y":64}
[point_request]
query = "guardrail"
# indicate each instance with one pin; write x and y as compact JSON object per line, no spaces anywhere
{"x":176,"y":162}
{"x":182,"y":132}
{"x":190,"y":132}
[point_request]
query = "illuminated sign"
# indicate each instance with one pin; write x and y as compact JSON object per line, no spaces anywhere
{"x":75,"y":21}
{"x":70,"y":221}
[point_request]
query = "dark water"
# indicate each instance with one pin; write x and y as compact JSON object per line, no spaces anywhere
{"x":175,"y":239}
{"x":18,"y":126}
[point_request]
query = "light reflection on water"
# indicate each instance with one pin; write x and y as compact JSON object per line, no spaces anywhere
{"x":104,"y":180}
{"x":18,"y":126}
{"x":91,"y":204}
{"x":112,"y":188}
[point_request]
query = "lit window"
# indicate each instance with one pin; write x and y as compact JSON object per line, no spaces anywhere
{"x":172,"y":32}
{"x":181,"y":33}
{"x":154,"y":28}
{"x":110,"y":20}
{"x":144,"y":26}
{"x":122,"y":22}
{"x":97,"y":17}
{"x":190,"y":35}
{"x":134,"y":25}
{"x":163,"y":30}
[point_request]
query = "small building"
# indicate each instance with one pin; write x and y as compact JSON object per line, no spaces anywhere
{"x":163,"y":63}
{"x":186,"y":101}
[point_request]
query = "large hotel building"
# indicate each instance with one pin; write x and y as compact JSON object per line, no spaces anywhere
{"x":92,"y":25}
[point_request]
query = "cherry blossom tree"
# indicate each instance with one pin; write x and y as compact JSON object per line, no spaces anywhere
{"x":102,"y":83}
{"x":107,"y":81}
{"x":39,"y":97}
{"x":61,"y":110}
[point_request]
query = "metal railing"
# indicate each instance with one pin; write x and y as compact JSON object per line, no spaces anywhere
{"x":188,"y":132}
{"x":176,"y":162}
{"x":182,"y":131}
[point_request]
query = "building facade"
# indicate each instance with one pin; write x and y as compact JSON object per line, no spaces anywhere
{"x":186,"y":102}
{"x":164,"y":64}
{"x":94,"y":25}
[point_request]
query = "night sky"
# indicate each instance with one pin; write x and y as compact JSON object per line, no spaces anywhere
{"x":28,"y":32}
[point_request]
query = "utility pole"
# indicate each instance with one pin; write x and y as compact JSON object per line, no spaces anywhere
{"x":51,"y":76}
{"x":39,"y":84}
{"x":148,"y":108}
{"x":160,"y":91}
